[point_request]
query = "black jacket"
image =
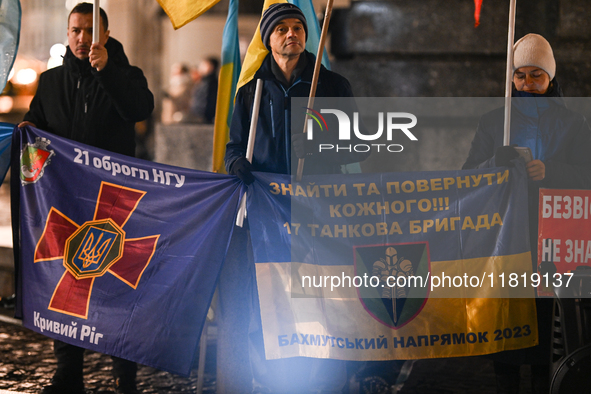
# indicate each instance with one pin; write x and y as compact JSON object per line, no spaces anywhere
{"x":203,"y":100}
{"x":96,"y":108}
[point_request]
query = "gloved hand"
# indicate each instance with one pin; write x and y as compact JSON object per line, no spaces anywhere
{"x":302,"y":147}
{"x":242,"y":169}
{"x":504,"y":155}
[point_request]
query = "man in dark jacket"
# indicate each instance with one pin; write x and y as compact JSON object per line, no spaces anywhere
{"x":204,"y":94}
{"x":287,"y":72}
{"x":94,"y":98}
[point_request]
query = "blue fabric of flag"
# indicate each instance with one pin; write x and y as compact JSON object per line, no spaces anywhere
{"x":313,"y":40}
{"x":231,"y":48}
{"x":119,"y":255}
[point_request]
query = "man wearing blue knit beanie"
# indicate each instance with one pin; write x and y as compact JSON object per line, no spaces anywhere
{"x":287,"y":71}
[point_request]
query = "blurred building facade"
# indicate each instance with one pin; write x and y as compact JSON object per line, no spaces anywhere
{"x":386,"y":48}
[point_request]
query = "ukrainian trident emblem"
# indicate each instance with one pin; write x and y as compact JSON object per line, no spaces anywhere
{"x":95,"y":248}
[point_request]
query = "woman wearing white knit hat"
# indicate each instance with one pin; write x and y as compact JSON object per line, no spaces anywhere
{"x":560,"y":142}
{"x":533,"y":64}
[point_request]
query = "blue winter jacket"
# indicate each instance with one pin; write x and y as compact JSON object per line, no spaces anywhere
{"x":557,"y":136}
{"x":272,"y":147}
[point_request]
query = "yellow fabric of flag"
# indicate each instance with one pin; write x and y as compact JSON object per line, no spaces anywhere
{"x":227,"y":88}
{"x":256,"y":52}
{"x":252,"y":61}
{"x":182,"y":12}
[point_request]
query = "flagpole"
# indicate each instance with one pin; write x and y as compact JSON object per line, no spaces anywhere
{"x":96,"y":24}
{"x":250,"y":146}
{"x":317,"y":65}
{"x":509,"y":74}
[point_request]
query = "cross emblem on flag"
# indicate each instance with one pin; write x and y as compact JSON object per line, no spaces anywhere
{"x":96,"y":247}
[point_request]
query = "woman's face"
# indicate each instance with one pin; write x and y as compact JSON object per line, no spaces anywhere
{"x":531,"y":79}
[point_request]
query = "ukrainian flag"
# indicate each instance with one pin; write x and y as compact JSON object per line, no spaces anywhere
{"x":227,"y":87}
{"x":322,"y":284}
{"x":257,"y":51}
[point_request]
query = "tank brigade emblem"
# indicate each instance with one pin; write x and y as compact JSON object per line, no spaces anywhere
{"x":34,"y":158}
{"x":95,"y":248}
{"x":402,"y":270}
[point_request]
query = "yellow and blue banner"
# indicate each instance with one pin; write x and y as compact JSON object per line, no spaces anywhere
{"x":393,"y":265}
{"x":118,"y":255}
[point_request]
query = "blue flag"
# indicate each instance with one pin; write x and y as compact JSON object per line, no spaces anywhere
{"x":5,"y":138}
{"x":119,"y":255}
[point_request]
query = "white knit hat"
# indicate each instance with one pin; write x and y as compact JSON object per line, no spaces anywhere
{"x":533,"y":50}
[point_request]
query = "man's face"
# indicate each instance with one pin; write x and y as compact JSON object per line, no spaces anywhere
{"x":531,"y":79}
{"x":80,"y":34}
{"x":288,"y":38}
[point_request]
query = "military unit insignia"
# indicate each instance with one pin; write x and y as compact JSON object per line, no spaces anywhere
{"x":95,"y":248}
{"x":402,"y":270}
{"x":34,"y":158}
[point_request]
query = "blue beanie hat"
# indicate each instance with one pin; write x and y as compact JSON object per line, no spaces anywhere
{"x":275,"y":14}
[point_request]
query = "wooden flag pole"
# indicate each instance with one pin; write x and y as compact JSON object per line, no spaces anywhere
{"x":250,"y":146}
{"x":317,"y":65}
{"x":96,"y":21}
{"x":509,"y":74}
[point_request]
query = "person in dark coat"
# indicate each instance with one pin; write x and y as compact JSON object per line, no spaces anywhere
{"x":205,"y":92}
{"x":95,"y":98}
{"x":560,"y":142}
{"x":287,"y":72}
